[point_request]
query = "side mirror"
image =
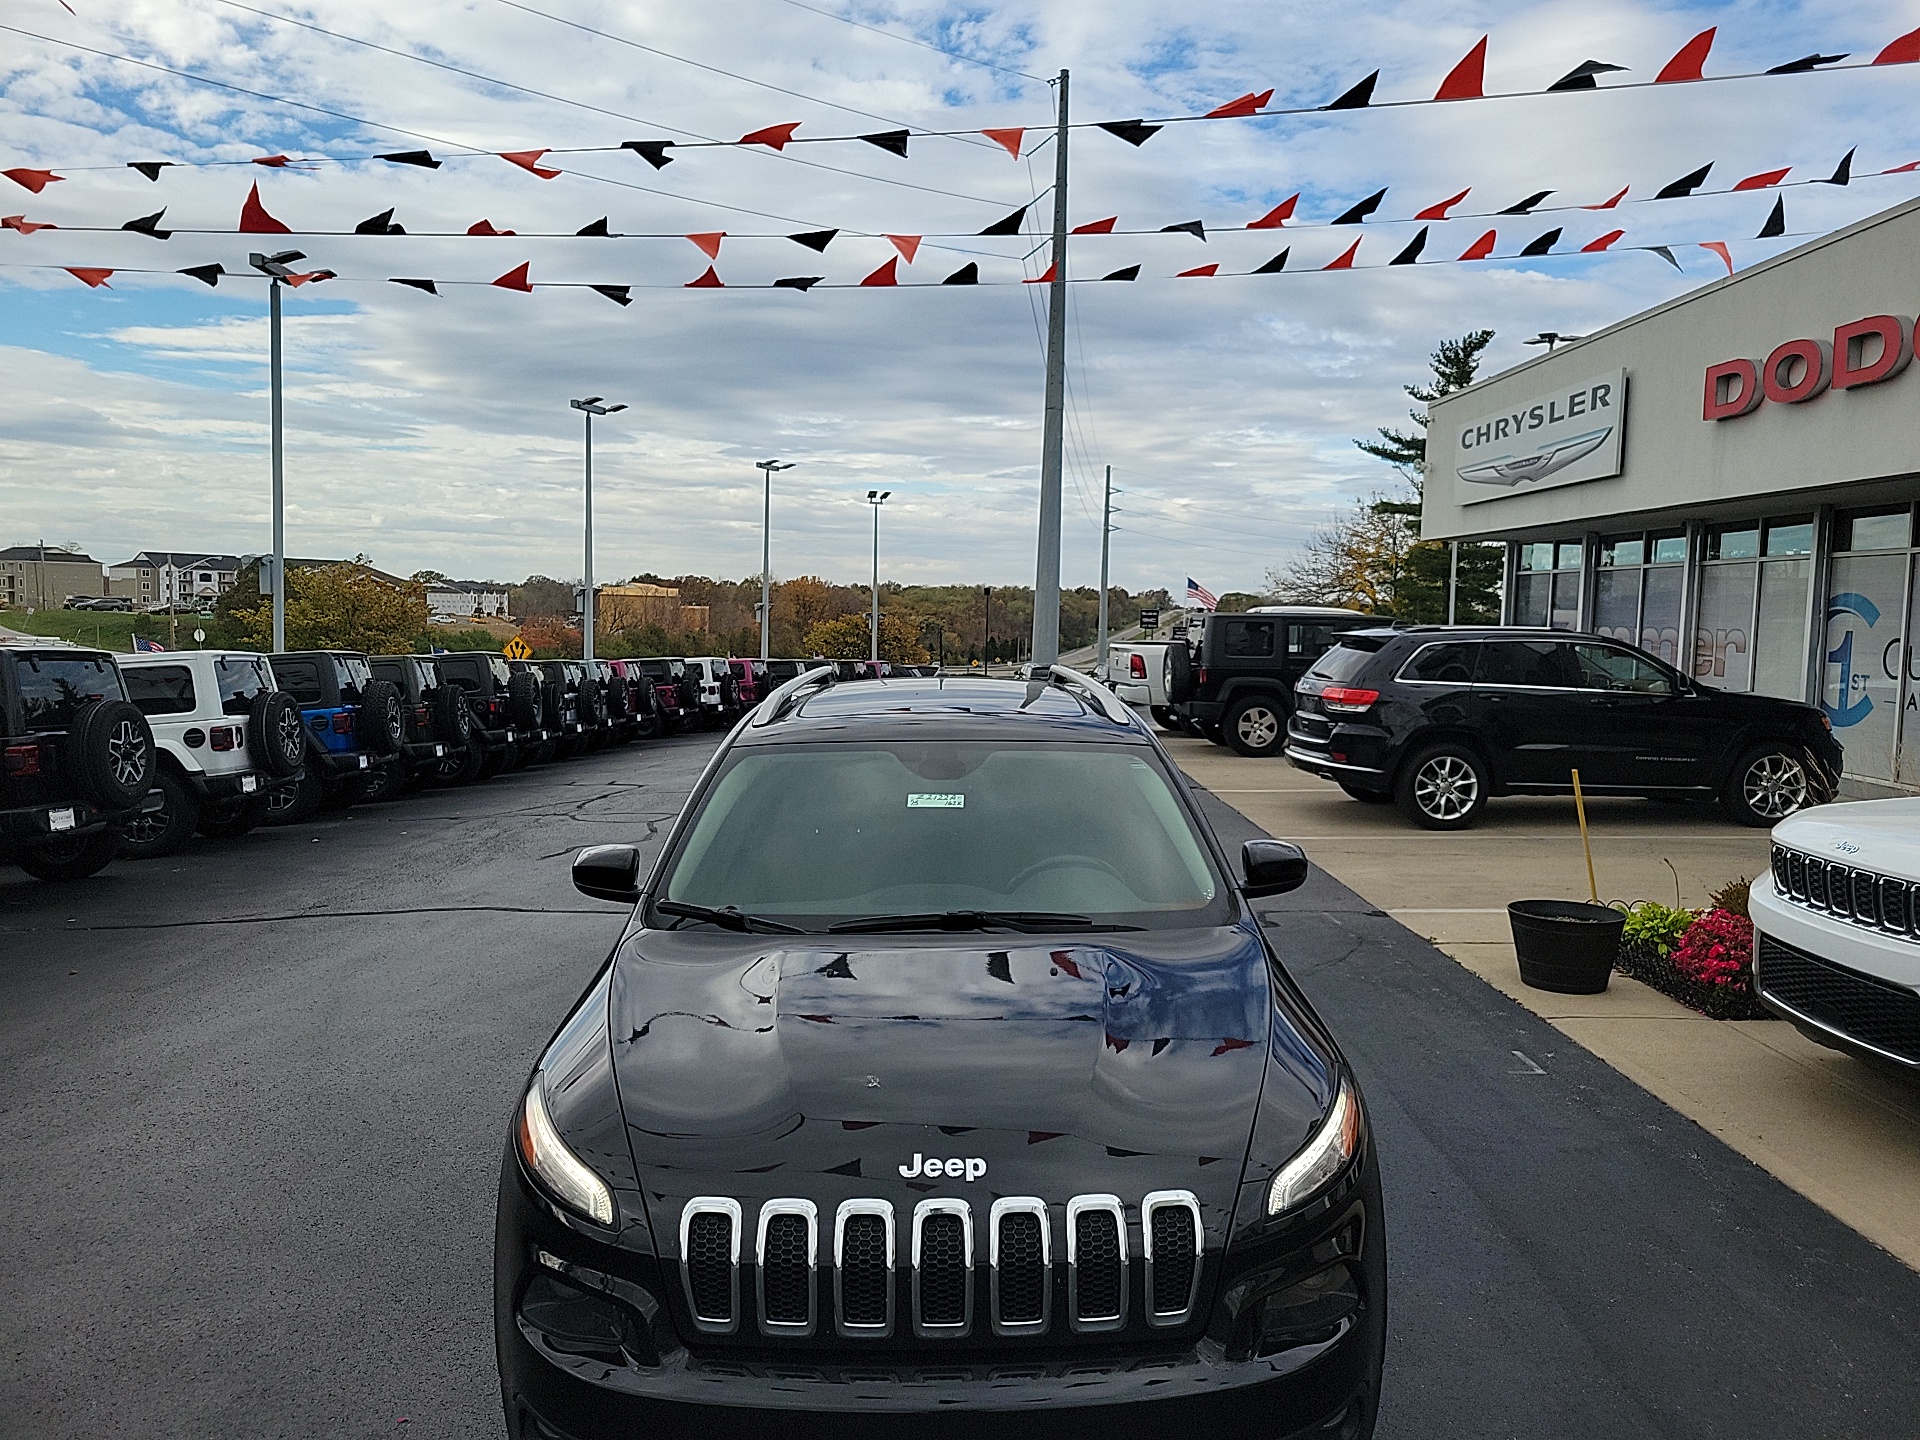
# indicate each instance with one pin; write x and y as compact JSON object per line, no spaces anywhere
{"x":1273,"y":867}
{"x":608,"y":872}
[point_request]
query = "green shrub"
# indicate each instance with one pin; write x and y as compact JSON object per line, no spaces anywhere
{"x":1655,"y":926}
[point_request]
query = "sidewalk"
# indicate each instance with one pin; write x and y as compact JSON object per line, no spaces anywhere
{"x":1841,"y":1133}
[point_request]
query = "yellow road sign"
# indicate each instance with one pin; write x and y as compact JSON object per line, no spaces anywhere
{"x":516,"y":649}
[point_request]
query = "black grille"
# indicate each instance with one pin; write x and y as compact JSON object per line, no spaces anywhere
{"x":1023,"y":1278}
{"x":1173,"y":1260}
{"x":1817,"y":882}
{"x":1097,"y":1261}
{"x":863,"y":1271}
{"x":1882,"y":902}
{"x":1871,"y":1011}
{"x":787,"y":1276}
{"x":710,"y":1266}
{"x":1895,"y":904}
{"x":1866,"y":897}
{"x":943,"y":1270}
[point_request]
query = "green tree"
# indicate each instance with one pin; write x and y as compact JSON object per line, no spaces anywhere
{"x":341,"y":607}
{"x":850,"y":638}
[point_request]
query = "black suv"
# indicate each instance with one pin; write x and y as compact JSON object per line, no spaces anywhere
{"x":1439,"y":719}
{"x":1235,"y":685}
{"x":439,"y":744}
{"x":76,"y":760}
{"x":505,"y":709}
{"x":941,"y":1082}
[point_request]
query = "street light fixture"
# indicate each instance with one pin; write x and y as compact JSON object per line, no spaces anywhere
{"x":876,"y":498}
{"x":590,"y":407}
{"x":276,"y":268}
{"x":767,"y":467}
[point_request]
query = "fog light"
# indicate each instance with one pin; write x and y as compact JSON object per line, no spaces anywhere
{"x":1312,"y":1311}
{"x":575,"y":1322}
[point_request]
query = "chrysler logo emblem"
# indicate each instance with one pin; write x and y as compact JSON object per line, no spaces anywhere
{"x":1554,"y":456}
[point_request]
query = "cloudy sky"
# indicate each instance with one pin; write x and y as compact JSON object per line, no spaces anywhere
{"x":434,"y":432}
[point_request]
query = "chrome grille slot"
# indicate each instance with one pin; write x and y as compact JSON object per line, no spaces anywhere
{"x":1797,"y":875}
{"x":1894,"y":898}
{"x":1782,"y":874}
{"x":863,"y":1268}
{"x":1866,"y":897}
{"x":710,"y":1262}
{"x":787,"y":1252}
{"x":942,"y":1268}
{"x":1886,"y":903}
{"x":1096,"y":1263}
{"x":1022,"y":1262}
{"x":1170,"y":1234}
{"x":1817,"y":882}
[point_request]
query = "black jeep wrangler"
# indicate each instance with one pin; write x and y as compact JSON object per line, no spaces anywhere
{"x":76,"y":760}
{"x":505,"y":706}
{"x":1235,"y":686}
{"x":439,"y":744}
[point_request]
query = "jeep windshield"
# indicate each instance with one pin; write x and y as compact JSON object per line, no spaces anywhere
{"x":941,"y":835}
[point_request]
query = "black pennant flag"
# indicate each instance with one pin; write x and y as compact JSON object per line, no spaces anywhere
{"x":1359,"y":97}
{"x":815,"y":239}
{"x":1185,"y":227}
{"x":1544,"y":245}
{"x":1843,"y":173}
{"x":798,"y":282}
{"x":967,"y":274}
{"x":1685,"y":185}
{"x":598,"y":227}
{"x":426,"y":285}
{"x":206,"y":274}
{"x":616,"y":293}
{"x":1276,"y":264}
{"x":1805,"y":63}
{"x":1525,"y":207}
{"x":148,"y":225}
{"x":1134,"y":132}
{"x":1366,"y":207}
{"x":381,"y":224}
{"x":1419,"y":242}
{"x":894,"y":142}
{"x":1667,"y":255}
{"x":1129,"y":272}
{"x":422,"y":158}
{"x":1010,"y":225}
{"x":1581,"y":76}
{"x":150,"y":168}
{"x":654,"y":152}
{"x":1776,"y":222}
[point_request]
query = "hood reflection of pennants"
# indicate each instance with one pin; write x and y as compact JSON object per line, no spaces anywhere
{"x":1549,"y":459}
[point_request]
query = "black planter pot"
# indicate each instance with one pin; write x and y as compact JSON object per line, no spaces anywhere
{"x":1566,"y":946}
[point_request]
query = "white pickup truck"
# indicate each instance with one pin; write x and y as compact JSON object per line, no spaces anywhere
{"x":1137,"y":671}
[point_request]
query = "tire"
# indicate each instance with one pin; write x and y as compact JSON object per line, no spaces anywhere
{"x":1178,"y":673}
{"x":1443,"y":788}
{"x":298,"y":801}
{"x":69,"y":857}
{"x":111,"y":757}
{"x":588,"y":704}
{"x":1365,"y":797}
{"x":618,"y":701}
{"x":379,"y":721}
{"x":151,"y":835}
{"x":462,"y":766}
{"x":452,"y":716}
{"x":1255,"y":725}
{"x":553,"y":707}
{"x":1164,"y":717}
{"x":276,"y":734}
{"x":1767,"y":784}
{"x":523,"y":701}
{"x":647,"y":727}
{"x":231,"y":819}
{"x":493,"y":762}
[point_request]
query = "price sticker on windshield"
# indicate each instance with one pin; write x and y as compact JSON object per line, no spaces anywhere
{"x":936,"y":802}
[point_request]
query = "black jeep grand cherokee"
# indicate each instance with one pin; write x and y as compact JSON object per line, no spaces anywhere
{"x":943,"y":1083}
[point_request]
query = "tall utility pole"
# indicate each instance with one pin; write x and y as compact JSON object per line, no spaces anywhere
{"x":590,"y":407}
{"x":767,"y":467}
{"x":1046,"y":578}
{"x":876,"y":498}
{"x":986,"y":628}
{"x":273,"y":571}
{"x":1106,"y":530}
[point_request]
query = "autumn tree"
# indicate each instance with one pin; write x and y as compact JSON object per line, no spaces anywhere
{"x":850,"y":638}
{"x":551,"y":638}
{"x":342,"y":607}
{"x":1359,"y":562}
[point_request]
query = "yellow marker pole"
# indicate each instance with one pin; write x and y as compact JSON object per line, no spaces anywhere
{"x":1580,"y":808}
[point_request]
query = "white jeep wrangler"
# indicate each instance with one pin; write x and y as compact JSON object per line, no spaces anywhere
{"x":225,"y":737}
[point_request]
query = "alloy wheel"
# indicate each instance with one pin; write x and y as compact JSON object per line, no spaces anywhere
{"x":1258,"y":727}
{"x":396,"y":724}
{"x":293,"y":735}
{"x":1775,"y":786}
{"x":127,"y":753}
{"x":1446,"y":787}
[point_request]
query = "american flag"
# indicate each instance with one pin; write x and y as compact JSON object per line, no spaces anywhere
{"x":1198,"y":594}
{"x":146,"y":647}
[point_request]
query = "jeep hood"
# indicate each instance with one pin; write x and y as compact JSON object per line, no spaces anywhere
{"x":1878,"y":835}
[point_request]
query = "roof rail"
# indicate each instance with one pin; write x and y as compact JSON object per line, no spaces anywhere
{"x":1108,"y":703}
{"x":776,"y":705}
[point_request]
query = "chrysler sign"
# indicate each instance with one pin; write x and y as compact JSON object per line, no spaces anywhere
{"x":1562,"y":438}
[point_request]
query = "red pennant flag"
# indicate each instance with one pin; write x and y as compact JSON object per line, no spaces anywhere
{"x":1719,"y":247}
{"x":529,"y":160}
{"x":1609,"y":204}
{"x":516,"y":278}
{"x":1439,"y":212}
{"x":1229,"y":1045}
{"x":1007,"y":140}
{"x":1605,"y":242}
{"x":1903,"y":169}
{"x":1688,"y":62}
{"x":313,"y":275}
{"x":485,"y":227}
{"x":1481,"y":248}
{"x":709,"y":242}
{"x":907,"y":245}
{"x":1764,"y":179}
{"x":34,"y":180}
{"x":1467,"y":80}
{"x":24,"y":225}
{"x":1904,"y":51}
{"x":1046,"y":279}
{"x":272,"y":162}
{"x":92,"y":279}
{"x":1097,"y":227}
{"x":254,"y":219}
{"x":1203,"y":272}
{"x":1278,"y":215}
{"x":885,"y":274}
{"x":1246,"y":105}
{"x":708,"y":281}
{"x":1345,"y":262}
{"x":775,"y":136}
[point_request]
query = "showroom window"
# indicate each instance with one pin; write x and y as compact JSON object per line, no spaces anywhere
{"x":1750,"y":631}
{"x":1638,"y":589}
{"x":1868,"y":680}
{"x":1547,"y":589}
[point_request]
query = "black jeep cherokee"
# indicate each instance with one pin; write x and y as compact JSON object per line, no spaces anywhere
{"x":942,"y":1083}
{"x":1235,"y":685}
{"x":1438,"y":719}
{"x":76,"y":760}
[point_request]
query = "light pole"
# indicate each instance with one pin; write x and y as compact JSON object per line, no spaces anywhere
{"x":767,"y":467}
{"x":590,"y":407}
{"x":876,"y":498}
{"x":273,"y":572}
{"x":986,"y":629}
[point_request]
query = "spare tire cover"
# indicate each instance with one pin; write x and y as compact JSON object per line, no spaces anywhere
{"x":110,"y":756}
{"x":276,"y":734}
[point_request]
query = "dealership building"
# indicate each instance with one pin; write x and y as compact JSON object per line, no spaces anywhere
{"x":1727,"y":480}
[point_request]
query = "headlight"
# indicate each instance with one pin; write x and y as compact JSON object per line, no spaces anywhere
{"x":1322,"y":1158}
{"x":562,"y":1171}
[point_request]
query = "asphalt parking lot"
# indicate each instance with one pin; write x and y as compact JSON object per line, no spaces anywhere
{"x":254,"y":1099}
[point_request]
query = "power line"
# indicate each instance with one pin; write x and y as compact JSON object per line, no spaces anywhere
{"x":910,"y":40}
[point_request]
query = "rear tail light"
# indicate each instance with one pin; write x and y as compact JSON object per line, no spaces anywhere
{"x":1136,"y":667}
{"x":23,"y":760}
{"x":1200,"y":675}
{"x":1347,"y":700}
{"x":343,"y":722}
{"x":422,"y":715}
{"x":220,"y":738}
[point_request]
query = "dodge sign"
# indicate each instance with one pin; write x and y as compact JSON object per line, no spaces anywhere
{"x":1563,"y":438}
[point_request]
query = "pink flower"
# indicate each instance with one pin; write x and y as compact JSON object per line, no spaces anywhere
{"x":1717,"y":950}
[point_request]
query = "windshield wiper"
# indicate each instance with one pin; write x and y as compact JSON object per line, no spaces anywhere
{"x":1036,"y":921}
{"x":727,"y":918}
